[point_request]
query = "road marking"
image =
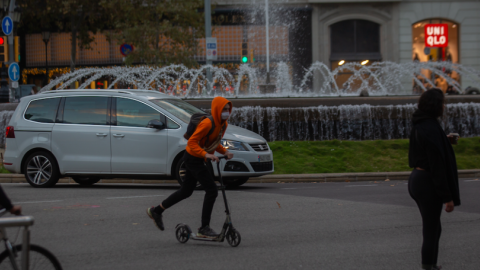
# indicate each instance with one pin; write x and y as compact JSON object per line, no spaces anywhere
{"x":38,"y":202}
{"x":289,"y":188}
{"x":361,"y":186}
{"x":128,"y":197}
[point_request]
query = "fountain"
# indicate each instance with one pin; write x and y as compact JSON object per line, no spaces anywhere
{"x":313,"y":105}
{"x":301,"y":112}
{"x":378,"y":79}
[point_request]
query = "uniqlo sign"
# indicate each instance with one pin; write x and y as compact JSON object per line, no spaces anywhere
{"x":436,"y":35}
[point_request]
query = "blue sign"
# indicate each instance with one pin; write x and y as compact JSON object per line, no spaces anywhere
{"x":211,"y":46}
{"x":126,"y":49}
{"x":7,"y":25}
{"x":14,"y":72}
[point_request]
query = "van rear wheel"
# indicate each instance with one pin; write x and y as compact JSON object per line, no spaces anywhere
{"x":85,"y":180}
{"x":41,"y":169}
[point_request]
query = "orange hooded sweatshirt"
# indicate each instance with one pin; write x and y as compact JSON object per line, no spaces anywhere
{"x":196,"y":143}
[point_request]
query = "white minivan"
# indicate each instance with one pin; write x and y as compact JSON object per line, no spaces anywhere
{"x":99,"y":134}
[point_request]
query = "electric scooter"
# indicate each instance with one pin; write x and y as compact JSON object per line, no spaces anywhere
{"x":184,"y":233}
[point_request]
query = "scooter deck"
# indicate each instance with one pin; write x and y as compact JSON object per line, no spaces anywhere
{"x":194,"y":236}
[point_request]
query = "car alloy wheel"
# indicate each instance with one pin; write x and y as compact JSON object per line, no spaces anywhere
{"x":181,"y":173}
{"x":39,"y":170}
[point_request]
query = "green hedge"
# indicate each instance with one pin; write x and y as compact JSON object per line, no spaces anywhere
{"x":358,"y":156}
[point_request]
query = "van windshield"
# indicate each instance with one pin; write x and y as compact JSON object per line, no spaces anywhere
{"x":179,"y":108}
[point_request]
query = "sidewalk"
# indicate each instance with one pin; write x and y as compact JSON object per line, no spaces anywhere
{"x":272,"y":178}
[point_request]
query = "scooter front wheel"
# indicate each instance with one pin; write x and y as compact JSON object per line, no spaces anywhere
{"x":182,"y":233}
{"x":233,"y":237}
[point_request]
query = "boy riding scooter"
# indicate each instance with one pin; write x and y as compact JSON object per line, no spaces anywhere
{"x":201,"y":146}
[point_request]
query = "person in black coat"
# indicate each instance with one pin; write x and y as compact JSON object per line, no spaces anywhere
{"x":434,"y":179}
{"x":5,"y":203}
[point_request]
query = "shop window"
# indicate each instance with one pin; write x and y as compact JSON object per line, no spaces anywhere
{"x":435,"y":50}
{"x":355,"y":41}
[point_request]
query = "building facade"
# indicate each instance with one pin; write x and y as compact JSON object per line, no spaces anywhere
{"x":304,"y":32}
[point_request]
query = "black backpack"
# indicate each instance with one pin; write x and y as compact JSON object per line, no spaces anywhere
{"x":194,"y":121}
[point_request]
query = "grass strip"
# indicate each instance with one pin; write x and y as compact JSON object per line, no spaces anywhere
{"x":297,"y":157}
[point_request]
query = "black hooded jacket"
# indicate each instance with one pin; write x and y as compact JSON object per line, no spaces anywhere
{"x":431,"y":150}
{"x":4,"y":200}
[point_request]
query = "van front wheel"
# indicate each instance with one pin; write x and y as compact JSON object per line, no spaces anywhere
{"x":41,"y":169}
{"x":180,"y":171}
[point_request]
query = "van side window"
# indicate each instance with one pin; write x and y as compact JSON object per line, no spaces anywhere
{"x":131,"y":113}
{"x":42,"y":110}
{"x":171,"y":124}
{"x":85,"y":110}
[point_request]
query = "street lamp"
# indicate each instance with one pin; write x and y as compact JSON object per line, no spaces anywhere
{"x":4,"y":6}
{"x":46,"y":38}
{"x":17,"y":12}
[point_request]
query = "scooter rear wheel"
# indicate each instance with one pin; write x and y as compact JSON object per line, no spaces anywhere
{"x":233,"y":237}
{"x":182,"y":234}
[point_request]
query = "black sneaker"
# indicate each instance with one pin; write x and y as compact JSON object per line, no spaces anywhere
{"x":156,"y":218}
{"x":207,"y":232}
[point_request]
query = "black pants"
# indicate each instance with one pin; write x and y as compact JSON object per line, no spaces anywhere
{"x":196,"y":170}
{"x":421,"y":189}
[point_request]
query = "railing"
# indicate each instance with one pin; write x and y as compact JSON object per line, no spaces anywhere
{"x":22,"y":221}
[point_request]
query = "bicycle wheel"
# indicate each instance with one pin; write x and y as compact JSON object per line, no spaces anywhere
{"x":39,"y":257}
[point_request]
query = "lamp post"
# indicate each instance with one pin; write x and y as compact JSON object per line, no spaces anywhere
{"x":46,"y":38}
{"x":208,"y":33}
{"x":266,"y":38}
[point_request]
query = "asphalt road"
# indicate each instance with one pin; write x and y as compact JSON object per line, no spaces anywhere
{"x":362,"y":225}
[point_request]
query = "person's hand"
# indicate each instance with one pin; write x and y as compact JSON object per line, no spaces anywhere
{"x":229,"y":155}
{"x":212,"y":157}
{"x":449,"y":206}
{"x":16,"y":210}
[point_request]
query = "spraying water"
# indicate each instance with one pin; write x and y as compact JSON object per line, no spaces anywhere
{"x":378,"y":79}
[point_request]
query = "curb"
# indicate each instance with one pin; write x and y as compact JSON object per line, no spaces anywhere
{"x":272,"y":178}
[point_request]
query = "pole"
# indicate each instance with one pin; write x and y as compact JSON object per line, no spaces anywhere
{"x":11,"y":48}
{"x":266,"y":37}
{"x":46,"y":62}
{"x":208,"y":33}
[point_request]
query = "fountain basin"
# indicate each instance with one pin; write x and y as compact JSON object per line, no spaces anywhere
{"x":344,"y":118}
{"x":328,"y":101}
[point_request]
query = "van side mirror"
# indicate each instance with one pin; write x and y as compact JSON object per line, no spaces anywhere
{"x":157,"y":124}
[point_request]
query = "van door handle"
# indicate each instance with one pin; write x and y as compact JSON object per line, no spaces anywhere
{"x":102,"y":134}
{"x":118,"y":135}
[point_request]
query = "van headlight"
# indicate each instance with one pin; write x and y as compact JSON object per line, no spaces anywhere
{"x":233,"y":145}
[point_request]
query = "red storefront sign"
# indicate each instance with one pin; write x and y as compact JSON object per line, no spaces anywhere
{"x":436,"y":35}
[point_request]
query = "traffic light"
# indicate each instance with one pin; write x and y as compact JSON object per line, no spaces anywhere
{"x":17,"y":49}
{"x":252,"y":58}
{"x":4,"y":91}
{"x":3,"y":49}
{"x":244,"y":58}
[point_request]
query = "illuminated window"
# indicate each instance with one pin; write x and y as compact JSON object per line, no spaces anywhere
{"x":423,"y":51}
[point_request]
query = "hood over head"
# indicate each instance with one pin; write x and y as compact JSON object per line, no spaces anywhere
{"x":217,"y":106}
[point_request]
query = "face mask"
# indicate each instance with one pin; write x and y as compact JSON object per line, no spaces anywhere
{"x":225,"y":115}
